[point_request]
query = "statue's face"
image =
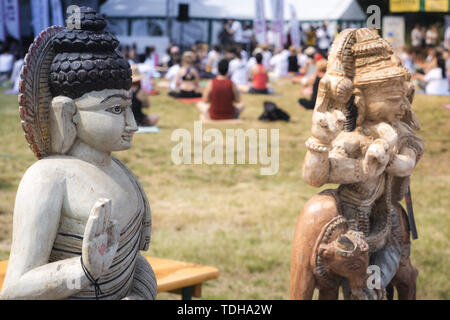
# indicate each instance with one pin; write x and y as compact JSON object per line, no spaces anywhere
{"x":388,"y":103}
{"x":105,"y":120}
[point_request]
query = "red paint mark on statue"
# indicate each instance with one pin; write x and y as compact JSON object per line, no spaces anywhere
{"x":102,"y":249}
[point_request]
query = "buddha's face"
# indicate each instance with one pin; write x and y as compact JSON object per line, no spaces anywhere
{"x":105,"y":120}
{"x":388,"y":102}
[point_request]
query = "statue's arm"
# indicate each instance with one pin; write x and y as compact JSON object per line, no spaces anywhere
{"x":316,"y":168}
{"x":320,"y":168}
{"x":403,"y":164}
{"x":334,"y":166}
{"x":346,"y":170}
{"x":36,"y":219}
{"x":344,"y":164}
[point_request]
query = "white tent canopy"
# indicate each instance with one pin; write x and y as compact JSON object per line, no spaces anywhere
{"x":307,"y":10}
{"x":138,"y":20}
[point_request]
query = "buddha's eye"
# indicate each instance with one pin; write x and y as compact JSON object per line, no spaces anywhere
{"x":117,"y":109}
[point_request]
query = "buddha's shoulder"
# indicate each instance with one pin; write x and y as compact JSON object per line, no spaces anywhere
{"x":55,"y":166}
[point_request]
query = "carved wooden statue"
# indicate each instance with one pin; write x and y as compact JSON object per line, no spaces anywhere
{"x":362,"y":139}
{"x":81,"y":216}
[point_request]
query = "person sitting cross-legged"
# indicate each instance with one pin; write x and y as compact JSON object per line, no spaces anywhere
{"x":187,"y":79}
{"x":259,"y":75}
{"x":221,"y":97}
{"x":320,"y":72}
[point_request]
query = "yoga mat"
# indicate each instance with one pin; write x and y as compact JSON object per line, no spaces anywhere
{"x":190,"y":100}
{"x":230,"y":121}
{"x":152,"y":129}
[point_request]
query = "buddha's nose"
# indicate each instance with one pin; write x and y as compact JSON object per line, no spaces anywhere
{"x":130,"y":122}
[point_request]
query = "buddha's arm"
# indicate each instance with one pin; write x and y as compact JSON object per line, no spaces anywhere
{"x":36,"y":220}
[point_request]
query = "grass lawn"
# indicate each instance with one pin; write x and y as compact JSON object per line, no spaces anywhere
{"x":230,"y":216}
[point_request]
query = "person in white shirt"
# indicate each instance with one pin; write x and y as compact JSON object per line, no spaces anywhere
{"x":6,"y":63}
{"x":213,"y":58}
{"x":238,"y":72}
{"x":236,"y":28}
{"x":267,"y":55}
{"x":322,"y":40}
{"x":244,"y":55}
{"x":15,"y":75}
{"x":301,"y":58}
{"x":447,"y":38}
{"x":279,"y":63}
{"x":416,"y":37}
{"x":171,"y":76}
{"x":436,"y":84}
{"x":407,"y":60}
{"x":308,"y":70}
{"x":285,"y":50}
{"x":435,"y":80}
{"x":151,"y":57}
{"x":431,"y":37}
{"x":252,"y":61}
{"x":247,"y":37}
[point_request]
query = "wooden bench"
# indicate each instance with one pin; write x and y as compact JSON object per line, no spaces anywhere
{"x":172,"y":276}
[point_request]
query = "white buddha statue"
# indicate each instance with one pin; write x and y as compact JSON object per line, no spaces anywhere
{"x":81,"y":216}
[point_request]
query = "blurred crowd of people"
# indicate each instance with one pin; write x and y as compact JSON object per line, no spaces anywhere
{"x":251,"y":68}
{"x":238,"y":65}
{"x":428,"y":59}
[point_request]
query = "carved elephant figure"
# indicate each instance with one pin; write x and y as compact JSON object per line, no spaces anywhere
{"x":347,"y":257}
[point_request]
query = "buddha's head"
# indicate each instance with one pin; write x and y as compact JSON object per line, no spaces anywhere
{"x":75,"y":86}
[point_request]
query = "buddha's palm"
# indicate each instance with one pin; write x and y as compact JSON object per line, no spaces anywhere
{"x":101,"y":239}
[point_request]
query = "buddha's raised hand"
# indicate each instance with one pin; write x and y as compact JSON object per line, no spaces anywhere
{"x":101,"y":239}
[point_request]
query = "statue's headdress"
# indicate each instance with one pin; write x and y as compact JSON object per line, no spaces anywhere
{"x":67,"y":62}
{"x":374,"y":59}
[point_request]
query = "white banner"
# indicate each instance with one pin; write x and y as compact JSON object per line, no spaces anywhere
{"x":11,"y":16}
{"x":295,"y":30}
{"x":259,"y":23}
{"x":39,"y":15}
{"x":2,"y":23}
{"x":394,"y":31}
{"x":278,"y":23}
{"x":57,"y":14}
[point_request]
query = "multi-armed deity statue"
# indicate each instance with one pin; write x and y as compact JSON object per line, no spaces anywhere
{"x":80,"y":215}
{"x":362,"y":139}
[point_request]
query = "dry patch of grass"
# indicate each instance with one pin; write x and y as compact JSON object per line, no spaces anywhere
{"x":231,"y":217}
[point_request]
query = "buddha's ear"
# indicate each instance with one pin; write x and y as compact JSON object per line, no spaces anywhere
{"x":63,"y":129}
